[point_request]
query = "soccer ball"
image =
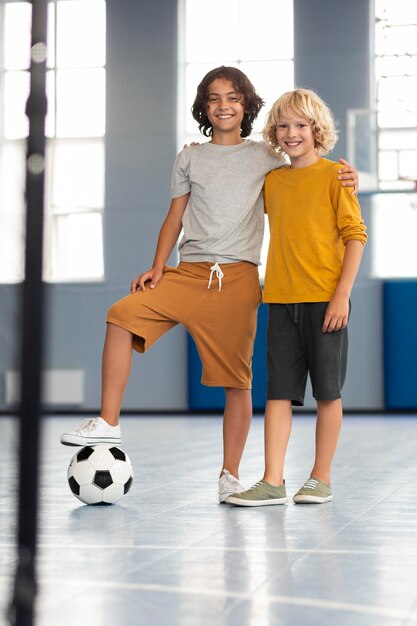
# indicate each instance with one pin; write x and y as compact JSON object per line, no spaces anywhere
{"x":100,"y":474}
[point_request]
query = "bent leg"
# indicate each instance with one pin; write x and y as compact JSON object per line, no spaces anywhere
{"x":134,"y":322}
{"x":117,"y":359}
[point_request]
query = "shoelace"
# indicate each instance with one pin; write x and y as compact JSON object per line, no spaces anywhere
{"x":310,"y":484}
{"x":89,"y":424}
{"x":219,"y":275}
{"x":255,"y":485}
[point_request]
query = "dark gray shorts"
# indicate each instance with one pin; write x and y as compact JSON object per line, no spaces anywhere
{"x":297,"y":346}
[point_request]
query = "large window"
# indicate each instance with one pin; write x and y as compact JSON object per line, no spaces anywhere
{"x":256,"y":37}
{"x":394,"y":215}
{"x":75,"y":128}
{"x":396,"y":80}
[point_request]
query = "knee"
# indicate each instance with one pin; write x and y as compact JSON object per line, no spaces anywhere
{"x":115,"y":311}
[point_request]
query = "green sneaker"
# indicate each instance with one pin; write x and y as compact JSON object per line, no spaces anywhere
{"x":261,"y":494}
{"x":314,"y":491}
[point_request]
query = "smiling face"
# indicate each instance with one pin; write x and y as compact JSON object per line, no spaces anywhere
{"x":225,"y":111}
{"x":295,"y":136}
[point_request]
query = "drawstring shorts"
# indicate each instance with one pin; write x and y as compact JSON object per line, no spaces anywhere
{"x":216,"y":304}
{"x":297,"y":347}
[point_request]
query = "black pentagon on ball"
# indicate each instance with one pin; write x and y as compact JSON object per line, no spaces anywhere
{"x":118,"y":454}
{"x":128,"y":485}
{"x":74,"y":486}
{"x":102,"y":479}
{"x":85,"y":453}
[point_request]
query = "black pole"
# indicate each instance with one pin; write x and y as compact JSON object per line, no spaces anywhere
{"x":23,"y":601}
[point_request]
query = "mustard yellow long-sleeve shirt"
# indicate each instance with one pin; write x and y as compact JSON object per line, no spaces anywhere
{"x":311,"y":217}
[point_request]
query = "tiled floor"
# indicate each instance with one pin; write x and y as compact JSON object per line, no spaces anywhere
{"x":169,"y":555}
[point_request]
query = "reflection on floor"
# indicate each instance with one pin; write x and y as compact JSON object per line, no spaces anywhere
{"x":169,"y":555}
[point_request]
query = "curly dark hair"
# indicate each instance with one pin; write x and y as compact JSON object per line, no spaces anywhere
{"x":251,"y":101}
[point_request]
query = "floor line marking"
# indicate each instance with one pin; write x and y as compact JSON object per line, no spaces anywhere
{"x":251,"y":596}
{"x":199,"y":548}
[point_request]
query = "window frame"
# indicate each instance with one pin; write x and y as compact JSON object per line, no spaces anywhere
{"x":53,"y":213}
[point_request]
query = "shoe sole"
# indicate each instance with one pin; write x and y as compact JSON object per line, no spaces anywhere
{"x":241,"y":502}
{"x":311,"y":499}
{"x":223,"y":496}
{"x":76,"y":441}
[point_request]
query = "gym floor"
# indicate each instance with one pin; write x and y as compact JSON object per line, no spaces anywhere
{"x":169,"y":555}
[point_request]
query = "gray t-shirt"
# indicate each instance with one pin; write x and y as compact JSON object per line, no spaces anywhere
{"x":224,"y":218}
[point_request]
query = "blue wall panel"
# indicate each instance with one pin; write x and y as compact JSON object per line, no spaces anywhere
{"x":400,"y":344}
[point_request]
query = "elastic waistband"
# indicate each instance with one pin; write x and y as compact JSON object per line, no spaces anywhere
{"x":203,"y":268}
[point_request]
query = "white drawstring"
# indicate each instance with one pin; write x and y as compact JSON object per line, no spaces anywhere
{"x":219,"y":275}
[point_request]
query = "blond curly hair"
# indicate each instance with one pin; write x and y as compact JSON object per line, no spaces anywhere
{"x":312,"y":108}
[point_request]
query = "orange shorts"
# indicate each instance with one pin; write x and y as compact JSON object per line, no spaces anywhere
{"x":222,"y":321}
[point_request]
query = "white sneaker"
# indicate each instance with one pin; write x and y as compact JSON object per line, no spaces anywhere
{"x":93,"y":430}
{"x":228,"y":484}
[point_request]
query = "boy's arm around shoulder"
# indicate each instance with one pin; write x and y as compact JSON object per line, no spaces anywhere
{"x":348,"y":211}
{"x":168,"y":237}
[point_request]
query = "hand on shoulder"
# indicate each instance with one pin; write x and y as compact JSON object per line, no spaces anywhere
{"x":193,"y":143}
{"x":349,"y":176}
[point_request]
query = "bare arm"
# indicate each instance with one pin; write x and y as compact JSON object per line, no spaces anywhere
{"x":168,"y":237}
{"x":349,"y":176}
{"x":337,"y":312}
